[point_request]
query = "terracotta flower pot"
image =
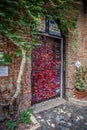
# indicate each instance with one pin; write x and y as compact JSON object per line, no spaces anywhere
{"x":80,"y":95}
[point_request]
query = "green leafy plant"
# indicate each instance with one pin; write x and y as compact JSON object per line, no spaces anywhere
{"x":18,"y":53}
{"x":11,"y":125}
{"x":25,"y":116}
{"x":7,"y":59}
{"x":80,"y":79}
{"x":18,"y":14}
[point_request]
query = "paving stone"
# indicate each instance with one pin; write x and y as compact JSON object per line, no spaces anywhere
{"x":69,"y":114}
{"x":48,"y":122}
{"x":53,"y":125}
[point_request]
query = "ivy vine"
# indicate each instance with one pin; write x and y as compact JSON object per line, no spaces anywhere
{"x":15,"y":16}
{"x":6,"y":59}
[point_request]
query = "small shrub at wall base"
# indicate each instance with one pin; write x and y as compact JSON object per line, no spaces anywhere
{"x":25,"y":116}
{"x":81,"y":86}
{"x":11,"y":125}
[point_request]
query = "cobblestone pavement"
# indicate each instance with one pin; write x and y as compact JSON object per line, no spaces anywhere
{"x":66,"y":116}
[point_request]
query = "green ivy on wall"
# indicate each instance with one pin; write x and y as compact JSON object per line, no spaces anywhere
{"x":15,"y":16}
{"x":6,"y":59}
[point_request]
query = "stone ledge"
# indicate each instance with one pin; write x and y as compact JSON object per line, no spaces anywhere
{"x":77,"y":101}
{"x":47,"y":104}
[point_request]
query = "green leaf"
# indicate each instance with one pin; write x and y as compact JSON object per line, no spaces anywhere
{"x":25,"y":117}
{"x":11,"y":125}
{"x":18,"y":53}
{"x":7,"y":59}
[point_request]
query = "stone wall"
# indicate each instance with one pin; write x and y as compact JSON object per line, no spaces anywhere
{"x":79,"y":54}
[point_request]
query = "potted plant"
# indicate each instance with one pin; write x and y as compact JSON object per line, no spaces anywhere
{"x":81,"y":86}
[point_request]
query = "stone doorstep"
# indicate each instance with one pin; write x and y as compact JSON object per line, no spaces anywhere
{"x":47,"y":104}
{"x":77,"y":101}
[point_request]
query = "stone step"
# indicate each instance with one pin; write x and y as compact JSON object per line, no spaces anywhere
{"x":47,"y":104}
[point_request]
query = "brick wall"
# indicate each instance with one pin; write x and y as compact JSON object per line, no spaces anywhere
{"x":9,"y":48}
{"x":8,"y":83}
{"x":71,"y":57}
{"x":79,"y":54}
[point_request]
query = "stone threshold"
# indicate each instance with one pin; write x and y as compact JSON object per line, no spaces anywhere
{"x":77,"y":101}
{"x":45,"y":105}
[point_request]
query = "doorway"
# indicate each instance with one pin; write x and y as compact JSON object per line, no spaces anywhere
{"x":47,"y":70}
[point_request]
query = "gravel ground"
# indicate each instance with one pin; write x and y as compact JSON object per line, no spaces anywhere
{"x":64,"y":117}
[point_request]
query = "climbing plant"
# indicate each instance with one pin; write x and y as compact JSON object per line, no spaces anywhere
{"x":17,"y":15}
{"x":6,"y":59}
{"x":67,"y":12}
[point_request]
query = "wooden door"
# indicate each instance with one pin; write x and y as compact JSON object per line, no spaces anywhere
{"x":46,"y":72}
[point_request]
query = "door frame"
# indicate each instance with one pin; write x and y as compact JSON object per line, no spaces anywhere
{"x":61,"y":94}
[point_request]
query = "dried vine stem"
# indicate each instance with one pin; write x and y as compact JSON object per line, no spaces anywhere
{"x":18,"y":88}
